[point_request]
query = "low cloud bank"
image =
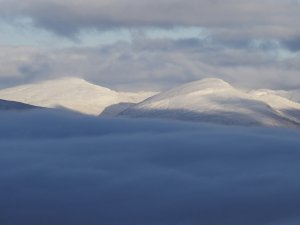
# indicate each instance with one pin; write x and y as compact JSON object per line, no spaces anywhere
{"x":57,"y":168}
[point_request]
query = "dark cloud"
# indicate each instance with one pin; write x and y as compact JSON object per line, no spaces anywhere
{"x":292,"y":44}
{"x":62,"y":169}
{"x":267,"y":18}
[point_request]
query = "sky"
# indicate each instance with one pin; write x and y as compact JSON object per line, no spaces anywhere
{"x":151,"y":45}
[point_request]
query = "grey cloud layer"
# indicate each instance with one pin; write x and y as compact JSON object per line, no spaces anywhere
{"x":277,"y":19}
{"x":250,"y":43}
{"x":155,"y":63}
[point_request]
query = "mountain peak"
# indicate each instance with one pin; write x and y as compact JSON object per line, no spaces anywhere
{"x":63,"y":86}
{"x":66,"y":80}
{"x":209,"y":83}
{"x":205,"y":86}
{"x":73,"y":79}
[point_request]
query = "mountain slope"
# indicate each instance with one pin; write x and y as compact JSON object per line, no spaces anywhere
{"x":14,"y":106}
{"x":293,"y":95}
{"x":283,"y":106}
{"x":210,"y":100}
{"x":71,"y":93}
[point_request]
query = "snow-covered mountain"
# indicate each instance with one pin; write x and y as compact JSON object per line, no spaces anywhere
{"x":14,"y":106}
{"x":209,"y":100}
{"x":214,"y":100}
{"x":71,"y":93}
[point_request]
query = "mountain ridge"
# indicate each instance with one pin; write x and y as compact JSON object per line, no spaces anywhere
{"x":209,"y":100}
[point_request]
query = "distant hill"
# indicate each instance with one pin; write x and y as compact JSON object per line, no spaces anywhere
{"x":15,"y":106}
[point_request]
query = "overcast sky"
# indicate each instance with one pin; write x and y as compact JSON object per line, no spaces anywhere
{"x":157,"y":44}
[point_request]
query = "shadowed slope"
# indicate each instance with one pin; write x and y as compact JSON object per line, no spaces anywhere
{"x":15,"y":106}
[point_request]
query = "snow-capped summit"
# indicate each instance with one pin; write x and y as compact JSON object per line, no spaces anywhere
{"x":210,"y":100}
{"x":201,"y":87}
{"x":207,"y":85}
{"x":72,"y":93}
{"x":197,"y":88}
